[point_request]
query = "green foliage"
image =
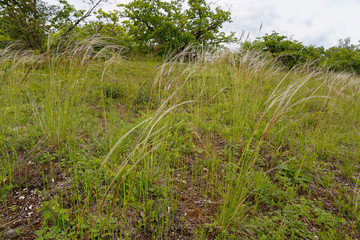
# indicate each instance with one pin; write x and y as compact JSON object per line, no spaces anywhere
{"x":161,"y":26}
{"x":64,"y":16}
{"x":25,"y":21}
{"x":290,"y":175}
{"x":114,"y":90}
{"x":108,"y":27}
{"x":288,"y":51}
{"x":267,"y":192}
{"x":343,"y":57}
{"x":150,"y":25}
{"x":31,"y":22}
{"x":54,"y":214}
{"x":4,"y":38}
{"x":298,"y":220}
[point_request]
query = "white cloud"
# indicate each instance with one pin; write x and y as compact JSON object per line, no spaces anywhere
{"x":316,"y":22}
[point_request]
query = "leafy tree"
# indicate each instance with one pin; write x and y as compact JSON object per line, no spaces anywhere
{"x":288,"y":51}
{"x":80,"y":15}
{"x":4,"y":38}
{"x":107,"y":25}
{"x":25,"y":21}
{"x":30,"y":21}
{"x":161,"y":26}
{"x":343,"y":57}
{"x":64,"y":16}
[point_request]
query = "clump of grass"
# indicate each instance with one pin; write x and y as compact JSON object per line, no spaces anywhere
{"x":68,"y":82}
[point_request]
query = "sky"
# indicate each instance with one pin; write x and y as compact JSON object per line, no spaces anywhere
{"x":312,"y":22}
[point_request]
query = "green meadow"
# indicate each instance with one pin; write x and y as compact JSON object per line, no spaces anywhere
{"x":230,"y":145}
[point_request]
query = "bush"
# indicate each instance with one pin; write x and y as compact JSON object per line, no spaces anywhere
{"x":286,"y":50}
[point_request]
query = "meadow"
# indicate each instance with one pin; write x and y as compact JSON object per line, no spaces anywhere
{"x":230,"y":145}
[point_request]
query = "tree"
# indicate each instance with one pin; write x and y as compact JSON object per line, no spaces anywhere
{"x":25,"y":21}
{"x":161,"y":26}
{"x":30,"y":21}
{"x":286,"y":50}
{"x":343,"y":57}
{"x":81,"y":15}
{"x":107,"y":25}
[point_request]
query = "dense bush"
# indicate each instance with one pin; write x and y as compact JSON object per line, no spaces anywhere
{"x":288,"y":51}
{"x":343,"y":57}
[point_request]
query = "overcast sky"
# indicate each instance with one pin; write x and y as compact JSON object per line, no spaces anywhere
{"x":313,"y":22}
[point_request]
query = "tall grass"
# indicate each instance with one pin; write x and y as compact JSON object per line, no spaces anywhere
{"x":162,"y":147}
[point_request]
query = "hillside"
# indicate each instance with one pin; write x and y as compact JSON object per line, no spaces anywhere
{"x":227,"y":146}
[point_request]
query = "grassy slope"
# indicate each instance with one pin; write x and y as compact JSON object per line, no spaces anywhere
{"x":222,"y":149}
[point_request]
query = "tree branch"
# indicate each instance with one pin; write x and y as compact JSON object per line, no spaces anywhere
{"x":87,"y":14}
{"x":199,"y":33}
{"x":108,"y":28}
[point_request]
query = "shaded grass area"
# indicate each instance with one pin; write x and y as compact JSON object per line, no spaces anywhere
{"x":225,"y":147}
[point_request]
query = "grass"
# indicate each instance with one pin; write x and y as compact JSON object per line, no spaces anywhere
{"x":227,"y":147}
